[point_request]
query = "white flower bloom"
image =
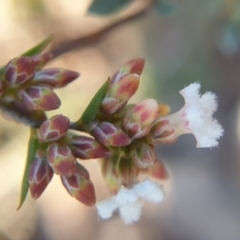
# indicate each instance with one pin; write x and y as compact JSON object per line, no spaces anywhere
{"x":195,"y":117}
{"x":128,"y":201}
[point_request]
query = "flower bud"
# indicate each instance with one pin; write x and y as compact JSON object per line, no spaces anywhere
{"x":54,"y":128}
{"x":39,"y":176}
{"x":40,"y":97}
{"x":61,"y":159}
{"x":138,"y":123}
{"x":19,"y":70}
{"x":128,"y":171}
{"x":56,"y":77}
{"x":80,"y":187}
{"x":144,"y":155}
{"x":109,"y":134}
{"x":133,"y":66}
{"x":157,"y":170}
{"x":119,"y":93}
{"x":111,"y":177}
{"x":87,"y":148}
{"x":42,"y":60}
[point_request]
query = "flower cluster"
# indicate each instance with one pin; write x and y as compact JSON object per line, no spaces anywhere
{"x":26,"y":86}
{"x":123,"y":135}
{"x":57,"y":152}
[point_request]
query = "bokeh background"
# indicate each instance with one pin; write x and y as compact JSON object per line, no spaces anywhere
{"x":198,"y":41}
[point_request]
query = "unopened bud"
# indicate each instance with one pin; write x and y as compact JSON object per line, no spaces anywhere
{"x":19,"y":71}
{"x":61,"y":159}
{"x":42,"y":60}
{"x":40,"y":98}
{"x":39,"y":176}
{"x":56,"y":77}
{"x":87,"y":148}
{"x":138,"y":123}
{"x":144,"y":155}
{"x":54,"y":128}
{"x":109,"y":134}
{"x":80,"y":187}
{"x":135,"y":65}
{"x":119,"y":93}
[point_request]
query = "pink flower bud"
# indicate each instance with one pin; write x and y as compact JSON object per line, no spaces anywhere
{"x":138,"y":123}
{"x":133,"y":66}
{"x":80,"y":187}
{"x":56,"y":77}
{"x":109,"y":134}
{"x":40,"y":97}
{"x":144,"y":155}
{"x":61,"y":159}
{"x":54,"y":128}
{"x":42,"y":60}
{"x":19,"y":71}
{"x":40,"y":176}
{"x":119,"y":93}
{"x":87,"y":148}
{"x":158,"y":170}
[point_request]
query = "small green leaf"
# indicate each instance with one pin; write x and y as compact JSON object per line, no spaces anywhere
{"x":38,"y":48}
{"x":32,"y":147}
{"x":103,"y":7}
{"x":163,"y":7}
{"x":93,"y":107}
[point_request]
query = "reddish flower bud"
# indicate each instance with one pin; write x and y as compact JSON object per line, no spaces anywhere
{"x":87,"y":148}
{"x":119,"y":93}
{"x":80,"y":187}
{"x":19,"y":71}
{"x":133,"y":66}
{"x":61,"y":159}
{"x":157,"y":170}
{"x":138,"y":123}
{"x":39,"y":176}
{"x":42,"y":60}
{"x":40,"y":97}
{"x":54,"y":128}
{"x":109,"y":134}
{"x":56,"y":77}
{"x":144,"y":155}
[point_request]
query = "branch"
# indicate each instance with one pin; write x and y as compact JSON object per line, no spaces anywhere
{"x":138,"y":10}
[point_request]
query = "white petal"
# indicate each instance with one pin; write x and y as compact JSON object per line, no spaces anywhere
{"x":198,"y":111}
{"x":149,"y":190}
{"x":126,"y":195}
{"x":130,"y":212}
{"x":107,"y":207}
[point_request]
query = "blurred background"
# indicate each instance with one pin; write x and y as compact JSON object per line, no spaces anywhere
{"x":198,"y":41}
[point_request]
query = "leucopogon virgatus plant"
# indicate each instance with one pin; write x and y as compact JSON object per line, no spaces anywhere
{"x":121,"y":136}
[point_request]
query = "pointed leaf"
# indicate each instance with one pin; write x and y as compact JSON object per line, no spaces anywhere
{"x":93,"y":107}
{"x":107,"y":6}
{"x":32,"y":147}
{"x":38,"y":48}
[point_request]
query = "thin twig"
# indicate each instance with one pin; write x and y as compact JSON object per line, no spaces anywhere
{"x":96,"y":36}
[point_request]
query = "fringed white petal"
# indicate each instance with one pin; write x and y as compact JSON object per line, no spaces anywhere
{"x":130,"y":212}
{"x":149,"y":190}
{"x":107,"y":207}
{"x":126,"y":195}
{"x":127,"y":201}
{"x":198,"y":111}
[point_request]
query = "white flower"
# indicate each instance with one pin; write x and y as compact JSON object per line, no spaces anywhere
{"x":195,"y":117}
{"x":128,"y":201}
